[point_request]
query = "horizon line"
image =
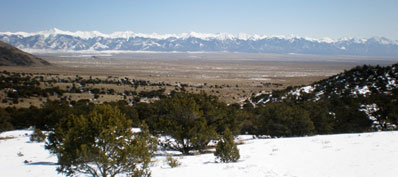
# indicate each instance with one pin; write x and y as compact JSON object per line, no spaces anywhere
{"x":130,"y":33}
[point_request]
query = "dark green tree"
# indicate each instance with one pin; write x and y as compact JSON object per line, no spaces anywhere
{"x":101,"y":144}
{"x":37,"y":136}
{"x":127,"y":110}
{"x":180,"y":118}
{"x":23,"y":117}
{"x":348,"y":116}
{"x":51,"y":113}
{"x":283,"y":119}
{"x":320,"y":115}
{"x":5,"y":119}
{"x":218,"y":114}
{"x":386,"y":112}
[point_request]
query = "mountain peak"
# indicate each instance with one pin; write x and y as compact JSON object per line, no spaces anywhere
{"x":193,"y":34}
{"x":52,"y":31}
{"x":195,"y":41}
{"x":55,"y":30}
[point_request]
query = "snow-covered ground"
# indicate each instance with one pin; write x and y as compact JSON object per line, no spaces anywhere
{"x":344,"y":155}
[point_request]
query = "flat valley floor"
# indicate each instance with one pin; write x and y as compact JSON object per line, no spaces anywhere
{"x":240,"y":75}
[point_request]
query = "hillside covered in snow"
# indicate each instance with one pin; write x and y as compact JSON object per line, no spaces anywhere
{"x":66,"y":41}
{"x":344,"y":155}
{"x":364,"y":90}
{"x":361,"y":81}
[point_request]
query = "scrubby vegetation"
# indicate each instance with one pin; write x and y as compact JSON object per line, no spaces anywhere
{"x":182,"y":118}
{"x":101,"y":144}
{"x":192,"y":120}
{"x":5,"y":121}
{"x":37,"y":136}
{"x":82,"y":132}
{"x":226,"y":149}
{"x":361,"y":99}
{"x":172,"y":162}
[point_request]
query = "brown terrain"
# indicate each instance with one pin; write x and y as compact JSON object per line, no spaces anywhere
{"x":12,"y":56}
{"x":231,"y":76}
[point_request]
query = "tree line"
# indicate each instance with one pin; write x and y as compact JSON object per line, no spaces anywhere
{"x":204,"y":114}
{"x":82,"y":133}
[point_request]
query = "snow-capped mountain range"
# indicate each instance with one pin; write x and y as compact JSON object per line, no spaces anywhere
{"x":66,"y":41}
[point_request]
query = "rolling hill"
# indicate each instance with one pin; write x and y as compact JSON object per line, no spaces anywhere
{"x":361,"y":94}
{"x":360,"y":81}
{"x":11,"y":56}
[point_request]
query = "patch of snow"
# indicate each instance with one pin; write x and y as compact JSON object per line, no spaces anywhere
{"x":318,"y":95}
{"x":364,"y":90}
{"x":392,"y":83}
{"x":369,"y":110}
{"x":260,"y":79}
{"x":353,"y":40}
{"x":81,"y":34}
{"x":98,"y":45}
{"x":321,"y":40}
{"x":244,"y":36}
{"x":344,"y":155}
{"x":306,"y":89}
{"x":18,"y":149}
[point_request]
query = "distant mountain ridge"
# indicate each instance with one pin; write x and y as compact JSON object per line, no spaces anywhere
{"x":66,"y":41}
{"x":11,"y":56}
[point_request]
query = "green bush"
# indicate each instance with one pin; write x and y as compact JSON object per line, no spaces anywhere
{"x":283,"y":119}
{"x":5,"y":119}
{"x":37,"y":136}
{"x":226,"y":149}
{"x":172,"y":162}
{"x":181,"y":119}
{"x":101,"y":144}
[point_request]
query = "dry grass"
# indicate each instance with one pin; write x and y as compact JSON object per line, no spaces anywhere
{"x":6,"y":138}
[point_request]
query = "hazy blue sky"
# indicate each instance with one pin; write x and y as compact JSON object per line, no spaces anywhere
{"x":310,"y":18}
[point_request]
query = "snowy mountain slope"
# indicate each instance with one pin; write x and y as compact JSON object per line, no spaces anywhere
{"x":359,"y":81}
{"x":56,"y":39}
{"x":363,"y":80}
{"x":344,"y":155}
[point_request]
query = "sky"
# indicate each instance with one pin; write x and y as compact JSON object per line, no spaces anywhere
{"x":305,"y":18}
